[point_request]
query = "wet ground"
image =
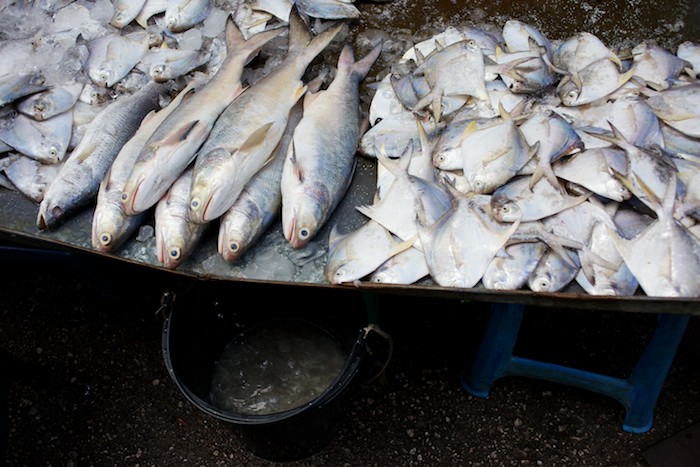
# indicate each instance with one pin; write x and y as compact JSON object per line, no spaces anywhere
{"x":86,"y":382}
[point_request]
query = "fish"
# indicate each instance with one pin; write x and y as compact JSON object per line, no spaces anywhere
{"x":555,"y":138}
{"x":248,"y":130}
{"x":150,"y":9}
{"x":516,"y":200}
{"x":181,"y":15}
{"x":596,"y":275}
{"x":511,"y":267}
{"x":174,"y":144}
{"x":664,"y":257}
{"x":320,"y":161}
{"x":167,"y":63}
{"x":14,"y":86}
{"x":443,"y":71}
{"x":679,"y":108}
{"x":56,"y":100}
{"x":30,"y":177}
{"x":447,"y":152}
{"x":554,"y":271}
{"x":46,"y":141}
{"x":593,"y":169}
{"x":459,"y":246}
{"x":494,"y":155}
{"x":113,"y":56}
{"x":657,"y":67}
{"x":111,"y":226}
{"x":690,"y":52}
{"x":580,"y":50}
{"x":176,"y":236}
{"x":328,"y":9}
{"x":125,"y":11}
{"x":596,"y":81}
{"x":260,"y":201}
{"x":356,"y":254}
{"x":409,"y":197}
{"x":406,"y":267}
{"x":78,"y":181}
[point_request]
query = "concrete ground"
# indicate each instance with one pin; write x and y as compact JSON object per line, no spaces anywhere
{"x":86,"y":383}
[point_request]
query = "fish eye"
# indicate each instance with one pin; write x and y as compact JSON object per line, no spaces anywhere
{"x":304,"y":233}
{"x":194,"y":204}
{"x":471,"y":42}
{"x":175,"y":253}
{"x":234,"y":246}
{"x":105,"y":239}
{"x":125,"y":197}
{"x":572,"y":94}
{"x":158,"y":69}
{"x":53,"y":152}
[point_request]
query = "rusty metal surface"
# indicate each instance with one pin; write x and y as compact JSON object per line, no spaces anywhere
{"x":273,"y":261}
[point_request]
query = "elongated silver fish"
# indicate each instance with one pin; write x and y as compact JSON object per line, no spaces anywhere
{"x":247,"y":132}
{"x":81,"y":174}
{"x":259,"y":203}
{"x":174,"y":144}
{"x":111,"y":226}
{"x":176,"y":235}
{"x":320,"y":162}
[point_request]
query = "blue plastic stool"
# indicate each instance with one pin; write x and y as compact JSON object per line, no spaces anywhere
{"x":638,"y":393}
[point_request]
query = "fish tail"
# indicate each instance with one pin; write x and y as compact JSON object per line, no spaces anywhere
{"x":360,"y":68}
{"x":302,"y":45}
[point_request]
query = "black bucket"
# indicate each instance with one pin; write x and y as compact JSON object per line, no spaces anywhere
{"x":197,"y":329}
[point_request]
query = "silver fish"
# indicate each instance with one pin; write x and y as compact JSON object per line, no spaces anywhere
{"x":554,"y":272}
{"x":176,"y":235}
{"x":406,"y":267}
{"x":679,"y":107}
{"x":150,"y":9}
{"x":259,"y":203}
{"x":555,"y":138}
{"x":580,"y":50}
{"x":247,"y":132}
{"x":665,"y":257}
{"x":45,"y":141}
{"x":46,"y":104}
{"x":113,"y":56}
{"x":656,"y":66}
{"x":690,"y":52}
{"x":14,"y":86}
{"x":516,"y":200}
{"x":596,"y":81}
{"x":30,"y":176}
{"x":513,"y":265}
{"x":328,"y":9}
{"x":125,"y":11}
{"x":111,"y":226}
{"x":356,"y":254}
{"x":181,"y":15}
{"x":81,"y":174}
{"x":166,"y":63}
{"x":320,"y":162}
{"x":174,"y":144}
{"x":460,"y":245}
{"x":593,"y":169}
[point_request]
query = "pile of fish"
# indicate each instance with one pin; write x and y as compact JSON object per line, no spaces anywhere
{"x":509,"y":161}
{"x":140,"y":107}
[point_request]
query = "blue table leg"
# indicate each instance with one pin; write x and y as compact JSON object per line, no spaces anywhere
{"x":638,"y":393}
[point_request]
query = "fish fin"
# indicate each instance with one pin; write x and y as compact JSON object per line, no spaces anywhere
{"x":302,"y":43}
{"x":544,"y":169}
{"x":622,"y":79}
{"x":84,"y":153}
{"x":180,"y":135}
{"x":403,"y":245}
{"x":335,"y":236}
{"x":252,"y":46}
{"x":256,"y":138}
{"x":292,"y":158}
{"x":310,"y":98}
{"x":366,"y":210}
{"x":361,"y":68}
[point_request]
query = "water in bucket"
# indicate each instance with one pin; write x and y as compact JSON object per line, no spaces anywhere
{"x":274,"y":367}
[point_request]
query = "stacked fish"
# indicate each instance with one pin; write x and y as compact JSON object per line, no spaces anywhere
{"x":510,"y":161}
{"x":142,"y":106}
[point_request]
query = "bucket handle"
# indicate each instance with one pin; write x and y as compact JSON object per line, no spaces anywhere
{"x":372,"y":327}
